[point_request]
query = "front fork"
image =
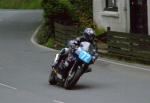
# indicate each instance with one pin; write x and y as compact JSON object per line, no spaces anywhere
{"x":54,"y":69}
{"x":72,"y":69}
{"x":76,"y":66}
{"x":56,"y":58}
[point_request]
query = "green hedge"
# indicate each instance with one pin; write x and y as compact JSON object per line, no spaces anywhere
{"x":20,"y":4}
{"x":58,"y":9}
{"x":77,"y":13}
{"x":42,"y":36}
{"x":68,"y":12}
{"x":84,"y":11}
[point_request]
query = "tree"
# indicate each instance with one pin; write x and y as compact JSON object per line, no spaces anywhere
{"x":56,"y":10}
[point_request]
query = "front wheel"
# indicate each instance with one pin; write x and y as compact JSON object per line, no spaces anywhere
{"x":72,"y":80}
{"x":52,"y":79}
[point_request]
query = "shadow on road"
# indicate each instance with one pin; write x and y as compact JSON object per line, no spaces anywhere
{"x":89,"y":87}
{"x":83,"y":87}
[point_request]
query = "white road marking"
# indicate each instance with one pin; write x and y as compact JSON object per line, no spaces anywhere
{"x":8,"y":86}
{"x":130,"y":66}
{"x":57,"y":101}
{"x":34,"y":40}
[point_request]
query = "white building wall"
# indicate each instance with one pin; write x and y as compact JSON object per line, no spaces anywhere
{"x":118,"y":21}
{"x":148,"y":5}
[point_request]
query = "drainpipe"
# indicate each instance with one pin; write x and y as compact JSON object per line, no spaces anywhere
{"x":126,"y":14}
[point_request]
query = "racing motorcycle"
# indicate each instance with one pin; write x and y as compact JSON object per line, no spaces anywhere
{"x":75,"y":65}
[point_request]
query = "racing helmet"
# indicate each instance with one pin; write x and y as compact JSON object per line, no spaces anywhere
{"x":89,"y":34}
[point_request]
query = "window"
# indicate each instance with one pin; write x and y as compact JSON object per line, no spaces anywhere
{"x":111,"y":5}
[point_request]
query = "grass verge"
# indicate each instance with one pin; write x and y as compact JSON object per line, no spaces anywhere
{"x":43,"y":39}
{"x":20,"y":4}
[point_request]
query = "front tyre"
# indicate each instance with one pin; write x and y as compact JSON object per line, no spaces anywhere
{"x":52,"y":79}
{"x":71,"y":81}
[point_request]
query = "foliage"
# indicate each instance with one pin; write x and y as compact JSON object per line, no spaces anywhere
{"x":50,"y":43}
{"x":84,"y":11}
{"x":100,"y":31}
{"x":83,"y":6}
{"x":42,"y":38}
{"x":68,"y":12}
{"x":58,"y":9}
{"x":20,"y":4}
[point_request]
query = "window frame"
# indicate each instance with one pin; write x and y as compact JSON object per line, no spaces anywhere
{"x":111,"y":7}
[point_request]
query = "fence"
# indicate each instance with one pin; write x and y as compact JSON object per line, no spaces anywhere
{"x":131,"y":46}
{"x":65,"y":33}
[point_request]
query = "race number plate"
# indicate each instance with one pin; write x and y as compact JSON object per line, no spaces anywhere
{"x":85,"y":57}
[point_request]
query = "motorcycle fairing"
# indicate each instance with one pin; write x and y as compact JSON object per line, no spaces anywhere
{"x":84,"y":56}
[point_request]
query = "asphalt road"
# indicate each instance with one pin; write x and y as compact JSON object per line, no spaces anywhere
{"x":24,"y":70}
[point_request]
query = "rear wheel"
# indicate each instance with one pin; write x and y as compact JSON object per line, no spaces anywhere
{"x":52,"y":79}
{"x":73,"y":79}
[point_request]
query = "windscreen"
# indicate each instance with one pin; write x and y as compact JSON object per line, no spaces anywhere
{"x":86,"y":46}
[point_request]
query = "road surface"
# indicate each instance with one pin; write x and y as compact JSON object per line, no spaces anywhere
{"x":24,"y":70}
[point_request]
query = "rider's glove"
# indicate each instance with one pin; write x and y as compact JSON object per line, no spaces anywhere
{"x":94,"y":58}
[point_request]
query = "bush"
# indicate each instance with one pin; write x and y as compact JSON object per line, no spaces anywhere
{"x":20,"y":4}
{"x":68,"y":12}
{"x":57,"y":10}
{"x":100,"y":31}
{"x":50,"y":43}
{"x":84,"y":13}
{"x":42,"y":36}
